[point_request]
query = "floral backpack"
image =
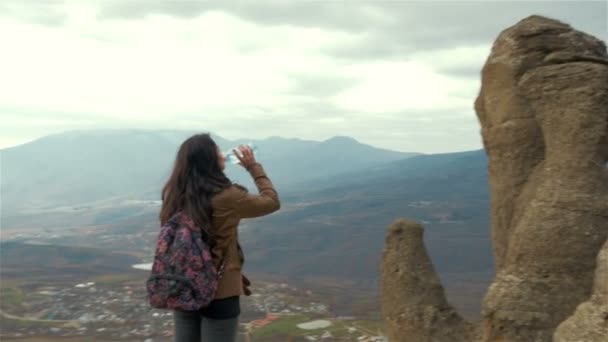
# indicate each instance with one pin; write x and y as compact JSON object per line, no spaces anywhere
{"x":183,"y":276}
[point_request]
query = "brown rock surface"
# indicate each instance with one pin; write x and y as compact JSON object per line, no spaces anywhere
{"x":590,"y":321}
{"x":414,"y":307}
{"x":543,"y":108}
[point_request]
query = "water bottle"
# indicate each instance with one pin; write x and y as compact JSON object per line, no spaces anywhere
{"x":232,"y":159}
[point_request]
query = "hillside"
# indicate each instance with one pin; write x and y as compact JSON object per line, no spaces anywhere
{"x":30,"y":262}
{"x":336,"y":232}
{"x":347,"y":217}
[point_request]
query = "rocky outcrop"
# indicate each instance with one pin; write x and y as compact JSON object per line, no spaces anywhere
{"x":590,"y":321}
{"x":416,"y":303}
{"x":543,"y":109}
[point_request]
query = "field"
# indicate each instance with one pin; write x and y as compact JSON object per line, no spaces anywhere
{"x":286,"y":327}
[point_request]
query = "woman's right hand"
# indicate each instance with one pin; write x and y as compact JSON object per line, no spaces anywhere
{"x":246,"y":157}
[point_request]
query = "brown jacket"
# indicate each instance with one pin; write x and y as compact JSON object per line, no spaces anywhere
{"x":229,"y":207}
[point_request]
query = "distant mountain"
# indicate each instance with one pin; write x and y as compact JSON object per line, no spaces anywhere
{"x":426,"y":175}
{"x":84,"y":167}
{"x":294,"y":161}
{"x":81,"y":167}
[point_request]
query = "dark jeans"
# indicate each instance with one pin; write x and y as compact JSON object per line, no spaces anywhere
{"x":192,"y":327}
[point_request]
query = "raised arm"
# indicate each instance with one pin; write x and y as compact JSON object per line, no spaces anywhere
{"x":267,"y":201}
{"x":249,"y":205}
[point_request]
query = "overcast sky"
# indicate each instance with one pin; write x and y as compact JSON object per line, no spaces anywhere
{"x":396,"y":74}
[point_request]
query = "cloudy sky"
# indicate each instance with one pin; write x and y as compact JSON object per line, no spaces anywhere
{"x":395,"y":74}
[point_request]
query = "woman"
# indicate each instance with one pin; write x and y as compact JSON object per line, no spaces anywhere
{"x":199,"y":187}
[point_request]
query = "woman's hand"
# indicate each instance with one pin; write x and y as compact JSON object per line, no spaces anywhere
{"x":246,"y":158}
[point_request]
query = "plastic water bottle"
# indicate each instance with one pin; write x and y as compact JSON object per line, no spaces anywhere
{"x":232,"y":159}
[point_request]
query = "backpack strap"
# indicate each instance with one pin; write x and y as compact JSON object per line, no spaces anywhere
{"x":199,"y":243}
{"x":197,"y":236}
{"x":223,"y":262}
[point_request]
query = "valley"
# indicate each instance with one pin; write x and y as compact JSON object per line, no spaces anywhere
{"x":316,"y":259}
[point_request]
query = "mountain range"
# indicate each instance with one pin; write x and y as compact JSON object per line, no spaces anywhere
{"x":84,"y":167}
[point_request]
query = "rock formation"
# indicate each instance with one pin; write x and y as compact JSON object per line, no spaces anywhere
{"x":590,"y":321}
{"x":543,"y":109}
{"x":416,"y":303}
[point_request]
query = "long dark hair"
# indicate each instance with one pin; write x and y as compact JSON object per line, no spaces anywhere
{"x":196,"y":177}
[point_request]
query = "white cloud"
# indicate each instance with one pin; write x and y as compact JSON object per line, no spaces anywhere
{"x":221,"y":70}
{"x":153,"y":67}
{"x":399,"y":86}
